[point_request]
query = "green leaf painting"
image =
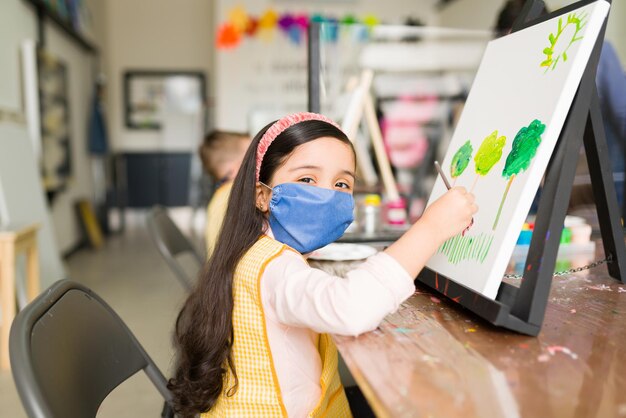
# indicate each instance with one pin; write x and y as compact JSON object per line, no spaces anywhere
{"x":488,"y":154}
{"x":461,"y":160}
{"x":560,"y":42}
{"x":523,"y":151}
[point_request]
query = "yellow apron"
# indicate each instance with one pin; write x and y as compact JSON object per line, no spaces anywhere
{"x":258,"y":393}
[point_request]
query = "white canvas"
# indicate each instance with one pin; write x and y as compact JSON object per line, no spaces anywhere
{"x":529,"y":75}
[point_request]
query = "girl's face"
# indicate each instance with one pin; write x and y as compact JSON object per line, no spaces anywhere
{"x":324,"y":162}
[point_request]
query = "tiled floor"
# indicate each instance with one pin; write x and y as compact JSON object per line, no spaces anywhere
{"x":131,"y":276}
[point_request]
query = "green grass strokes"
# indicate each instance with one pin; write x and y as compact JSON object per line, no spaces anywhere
{"x":460,"y":248}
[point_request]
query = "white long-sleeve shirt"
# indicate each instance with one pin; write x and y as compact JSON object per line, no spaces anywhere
{"x":300,"y":302}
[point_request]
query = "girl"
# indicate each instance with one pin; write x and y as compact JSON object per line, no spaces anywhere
{"x":252,"y":338}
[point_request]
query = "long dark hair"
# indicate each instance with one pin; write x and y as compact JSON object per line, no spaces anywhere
{"x":204,"y":329}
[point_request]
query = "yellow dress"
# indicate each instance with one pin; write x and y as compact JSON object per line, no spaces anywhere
{"x":258,"y":393}
{"x":215,"y":215}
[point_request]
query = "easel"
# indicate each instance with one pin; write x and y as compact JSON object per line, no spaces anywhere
{"x":361,"y":106}
{"x":523,"y":309}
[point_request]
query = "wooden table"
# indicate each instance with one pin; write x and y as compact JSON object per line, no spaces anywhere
{"x":13,"y":241}
{"x":434,"y":359}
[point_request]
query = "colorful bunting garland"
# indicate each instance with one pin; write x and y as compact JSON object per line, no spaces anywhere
{"x":240,"y":24}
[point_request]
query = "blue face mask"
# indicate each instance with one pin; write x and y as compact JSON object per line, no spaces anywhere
{"x":308,"y":217}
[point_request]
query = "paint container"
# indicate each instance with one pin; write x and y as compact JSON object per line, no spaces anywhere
{"x":396,"y":212}
{"x":581,"y":234}
{"x":370,"y":214}
{"x":524,"y":237}
{"x":573,"y":220}
{"x":562,"y":264}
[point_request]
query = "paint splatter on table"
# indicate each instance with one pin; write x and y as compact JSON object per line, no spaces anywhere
{"x":436,"y":359}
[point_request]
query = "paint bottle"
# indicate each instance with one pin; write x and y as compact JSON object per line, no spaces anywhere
{"x":562,"y":264}
{"x":370,"y":214}
{"x":524,"y":237}
{"x":580,"y":231}
{"x":581,"y":234}
{"x":396,"y":212}
{"x":566,"y":236}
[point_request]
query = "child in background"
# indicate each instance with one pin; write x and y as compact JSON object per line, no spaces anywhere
{"x":253,"y":337}
{"x":221,"y":154}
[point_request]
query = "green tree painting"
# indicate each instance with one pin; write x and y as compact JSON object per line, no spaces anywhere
{"x":488,"y":154}
{"x":522,"y":152}
{"x":461,"y":160}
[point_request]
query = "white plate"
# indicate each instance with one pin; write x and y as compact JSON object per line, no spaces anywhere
{"x":343,"y":252}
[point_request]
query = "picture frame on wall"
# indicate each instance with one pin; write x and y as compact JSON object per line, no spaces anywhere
{"x":148,"y":94}
{"x":56,"y":152}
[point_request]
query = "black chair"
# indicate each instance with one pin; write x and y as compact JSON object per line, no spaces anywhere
{"x":171,"y":243}
{"x":69,"y":350}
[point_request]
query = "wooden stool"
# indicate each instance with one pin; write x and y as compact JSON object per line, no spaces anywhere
{"x":15,"y":239}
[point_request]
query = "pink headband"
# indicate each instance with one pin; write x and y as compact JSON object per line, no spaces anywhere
{"x":281,"y":125}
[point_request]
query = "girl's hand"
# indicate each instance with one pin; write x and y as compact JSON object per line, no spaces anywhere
{"x":450,"y":214}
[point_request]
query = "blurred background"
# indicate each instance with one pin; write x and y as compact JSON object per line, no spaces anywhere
{"x":115,"y":97}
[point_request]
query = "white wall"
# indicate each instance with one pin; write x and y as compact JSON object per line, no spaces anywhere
{"x":153,"y":35}
{"x":18,"y":22}
{"x":481,"y":14}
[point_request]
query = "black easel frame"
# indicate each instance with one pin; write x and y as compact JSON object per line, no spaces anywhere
{"x":313,"y":68}
{"x":523,"y":309}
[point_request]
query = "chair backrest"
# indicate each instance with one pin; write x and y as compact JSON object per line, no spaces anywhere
{"x":69,"y":350}
{"x":171,"y":243}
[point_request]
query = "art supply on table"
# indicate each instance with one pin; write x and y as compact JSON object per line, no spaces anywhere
{"x":575,"y":243}
{"x":566,"y":236}
{"x":575,"y":231}
{"x":370,"y":214}
{"x":524,"y":237}
{"x":396,"y":212}
{"x":580,"y":231}
{"x":343,"y":252}
{"x":565,"y":250}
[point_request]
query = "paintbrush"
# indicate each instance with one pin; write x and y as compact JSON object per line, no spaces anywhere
{"x":443,"y":176}
{"x":447,"y":183}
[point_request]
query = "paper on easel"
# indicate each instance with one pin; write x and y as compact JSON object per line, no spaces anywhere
{"x":505,"y":137}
